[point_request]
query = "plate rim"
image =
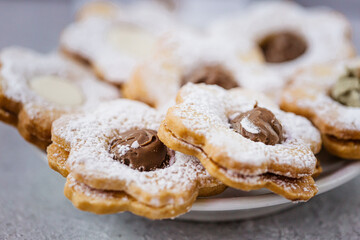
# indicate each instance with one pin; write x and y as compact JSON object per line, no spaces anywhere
{"x":325,"y":184}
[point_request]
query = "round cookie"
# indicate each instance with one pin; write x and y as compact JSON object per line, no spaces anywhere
{"x":122,"y":155}
{"x":300,"y":37}
{"x":329,"y":95}
{"x":36,"y":89}
{"x":277,"y":151}
{"x":113,"y":41}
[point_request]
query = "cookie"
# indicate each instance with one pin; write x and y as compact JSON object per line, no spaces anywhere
{"x":114,"y":162}
{"x":243,"y":139}
{"x":300,"y":37}
{"x":114,"y":40}
{"x":36,"y":89}
{"x":329,"y":95}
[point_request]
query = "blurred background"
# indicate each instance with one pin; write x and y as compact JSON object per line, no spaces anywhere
{"x":38,"y":23}
{"x":33,"y":206}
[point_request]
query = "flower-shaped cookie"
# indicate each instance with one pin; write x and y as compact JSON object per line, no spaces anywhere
{"x":113,"y":41}
{"x":244,"y":140}
{"x":287,"y":37}
{"x":329,"y":95}
{"x":117,"y":163}
{"x":36,"y":89}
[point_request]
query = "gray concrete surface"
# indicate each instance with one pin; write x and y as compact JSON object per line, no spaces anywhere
{"x":32,"y":205}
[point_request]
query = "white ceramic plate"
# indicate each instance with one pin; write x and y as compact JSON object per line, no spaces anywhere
{"x":233,"y":204}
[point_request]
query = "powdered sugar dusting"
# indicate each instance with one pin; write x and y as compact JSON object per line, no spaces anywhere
{"x":122,"y":150}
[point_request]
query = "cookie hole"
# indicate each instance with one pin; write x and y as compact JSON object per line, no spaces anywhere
{"x":282,"y":47}
{"x":56,"y":90}
{"x":258,"y":125}
{"x":131,"y":40}
{"x":346,"y":90}
{"x":140,"y":149}
{"x":212,"y":74}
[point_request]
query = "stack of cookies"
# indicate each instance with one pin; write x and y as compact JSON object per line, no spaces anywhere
{"x":142,"y":113}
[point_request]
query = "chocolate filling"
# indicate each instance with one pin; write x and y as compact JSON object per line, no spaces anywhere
{"x":140,"y":149}
{"x":259,"y":125}
{"x":211,"y":74}
{"x":343,"y":141}
{"x":282,"y":47}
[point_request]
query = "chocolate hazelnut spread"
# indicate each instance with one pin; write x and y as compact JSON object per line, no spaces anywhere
{"x":282,"y":47}
{"x":259,"y":125}
{"x":139,"y":149}
{"x":211,"y":74}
